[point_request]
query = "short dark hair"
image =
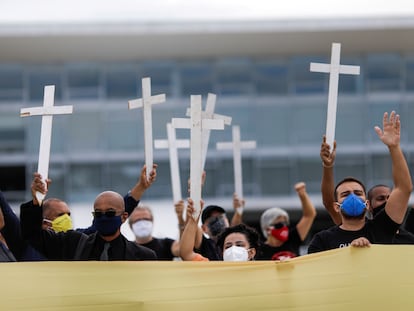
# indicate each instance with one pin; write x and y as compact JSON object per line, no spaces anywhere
{"x":348,"y":179}
{"x":371,"y":190}
{"x":250,"y":233}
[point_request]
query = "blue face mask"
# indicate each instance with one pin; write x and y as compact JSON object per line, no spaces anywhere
{"x":353,"y":205}
{"x":107,"y":226}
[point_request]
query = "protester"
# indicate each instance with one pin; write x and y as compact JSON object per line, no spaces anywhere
{"x":349,"y":201}
{"x":282,"y":239}
{"x":107,"y":243}
{"x":236,"y":243}
{"x":141,"y":222}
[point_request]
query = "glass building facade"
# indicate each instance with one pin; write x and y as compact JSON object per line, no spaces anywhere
{"x":277,"y":102}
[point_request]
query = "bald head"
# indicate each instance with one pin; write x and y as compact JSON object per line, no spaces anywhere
{"x":109,"y":200}
{"x":53,"y":208}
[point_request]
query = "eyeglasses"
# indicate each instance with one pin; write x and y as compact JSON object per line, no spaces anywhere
{"x":99,"y":214}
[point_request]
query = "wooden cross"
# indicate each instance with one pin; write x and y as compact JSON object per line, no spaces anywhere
{"x":146,"y":102}
{"x":209,"y":114}
{"x":172,"y":143}
{"x":47,"y":112}
{"x":237,"y":145}
{"x":334,"y":68}
{"x":196,"y":124}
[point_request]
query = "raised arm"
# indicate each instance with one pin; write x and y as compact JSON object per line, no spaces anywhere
{"x":38,"y":186}
{"x":189,"y":235}
{"x":134,"y":195}
{"x":390,"y":135}
{"x":238,"y":207}
{"x":328,"y":182}
{"x":308,"y":211}
{"x":179,"y":210}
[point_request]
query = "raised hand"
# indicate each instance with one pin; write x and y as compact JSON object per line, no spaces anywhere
{"x":391,"y":129}
{"x":39,"y":186}
{"x":327,"y":157}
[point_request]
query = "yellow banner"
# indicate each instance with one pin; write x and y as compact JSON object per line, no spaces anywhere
{"x":377,"y":278}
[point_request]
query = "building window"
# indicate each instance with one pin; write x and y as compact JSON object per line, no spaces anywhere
{"x":383,"y":73}
{"x":271,"y":78}
{"x":409,"y":75}
{"x":11,"y":83}
{"x":39,"y":78}
{"x":196,"y":79}
{"x":122,"y":82}
{"x":161,"y":74}
{"x":234,"y":77}
{"x":304,"y":81}
{"x":83,"y":82}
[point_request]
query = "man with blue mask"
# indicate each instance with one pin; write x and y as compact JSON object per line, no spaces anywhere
{"x":107,"y":243}
{"x":347,"y":203}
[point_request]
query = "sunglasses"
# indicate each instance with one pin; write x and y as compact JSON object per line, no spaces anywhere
{"x":279,"y":225}
{"x":99,"y":214}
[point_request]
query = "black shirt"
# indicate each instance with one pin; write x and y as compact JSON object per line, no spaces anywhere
{"x":288,"y":249}
{"x":380,"y":230}
{"x":74,"y":245}
{"x":209,"y":249}
{"x":161,"y":247}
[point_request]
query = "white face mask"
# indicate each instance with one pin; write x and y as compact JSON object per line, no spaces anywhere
{"x":236,"y":253}
{"x":142,"y":228}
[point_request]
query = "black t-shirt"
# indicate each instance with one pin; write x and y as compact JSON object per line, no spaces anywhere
{"x":380,"y":230}
{"x":162,"y":247}
{"x":288,"y":249}
{"x":209,"y":249}
{"x":403,"y":237}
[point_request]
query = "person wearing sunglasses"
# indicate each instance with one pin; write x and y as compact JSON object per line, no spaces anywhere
{"x":56,"y":213}
{"x":106,"y":244}
{"x":282,"y":240}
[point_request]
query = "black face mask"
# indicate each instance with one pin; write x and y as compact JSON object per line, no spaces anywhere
{"x":378,"y":209}
{"x":216,"y":225}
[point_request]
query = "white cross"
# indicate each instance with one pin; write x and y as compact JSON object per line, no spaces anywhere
{"x":172,"y":143}
{"x":146,"y":102}
{"x":47,"y":112}
{"x":334,"y":68}
{"x":196,"y":124}
{"x":237,"y":145}
{"x":209,"y":114}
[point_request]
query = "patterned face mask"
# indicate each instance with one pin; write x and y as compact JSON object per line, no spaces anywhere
{"x":216,"y":225}
{"x":280,"y":231}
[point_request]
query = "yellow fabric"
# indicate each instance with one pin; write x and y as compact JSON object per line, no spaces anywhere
{"x":376,"y":278}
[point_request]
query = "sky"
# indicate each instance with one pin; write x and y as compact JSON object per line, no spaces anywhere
{"x":90,"y":11}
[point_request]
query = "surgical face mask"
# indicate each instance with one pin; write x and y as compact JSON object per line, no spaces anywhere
{"x":235,"y":253}
{"x":62,"y":223}
{"x":107,"y":226}
{"x":378,"y":209}
{"x":142,"y":228}
{"x":280,"y":231}
{"x":353,"y":205}
{"x":216,"y":225}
